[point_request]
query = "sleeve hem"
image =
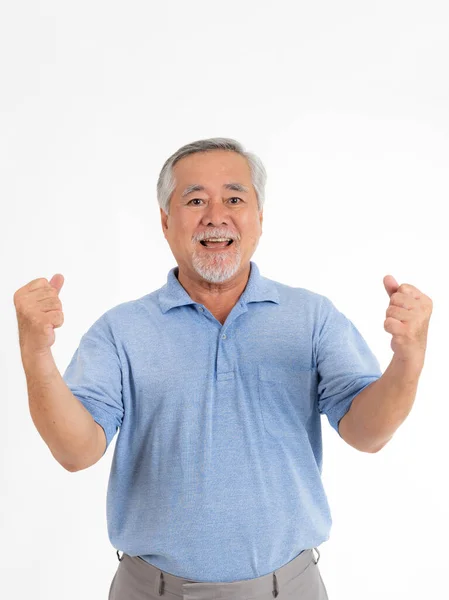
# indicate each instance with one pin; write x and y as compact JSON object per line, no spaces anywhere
{"x":336,"y":414}
{"x":109,"y":427}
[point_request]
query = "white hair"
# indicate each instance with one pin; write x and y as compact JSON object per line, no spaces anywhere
{"x":166,"y":183}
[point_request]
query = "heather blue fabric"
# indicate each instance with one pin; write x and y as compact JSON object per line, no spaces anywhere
{"x":216,"y":472}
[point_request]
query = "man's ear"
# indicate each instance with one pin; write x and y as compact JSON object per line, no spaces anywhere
{"x":261,"y":219}
{"x":164,"y":220}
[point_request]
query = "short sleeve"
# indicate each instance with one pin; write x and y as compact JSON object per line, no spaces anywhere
{"x":345,"y":363}
{"x":94,"y":377}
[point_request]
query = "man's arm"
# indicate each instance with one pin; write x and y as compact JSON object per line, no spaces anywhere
{"x":380,"y":408}
{"x":73,"y":437}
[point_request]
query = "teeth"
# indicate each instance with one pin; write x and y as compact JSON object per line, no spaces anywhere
{"x":217,"y":240}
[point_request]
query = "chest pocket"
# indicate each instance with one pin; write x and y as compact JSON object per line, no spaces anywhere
{"x":287,"y":399}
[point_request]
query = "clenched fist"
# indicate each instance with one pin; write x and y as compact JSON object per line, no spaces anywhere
{"x":39,"y":312}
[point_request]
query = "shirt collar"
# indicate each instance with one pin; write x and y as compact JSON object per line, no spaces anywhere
{"x":258,"y":289}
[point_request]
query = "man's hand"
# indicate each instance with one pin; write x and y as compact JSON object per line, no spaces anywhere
{"x":39,"y":313}
{"x":407,"y":320}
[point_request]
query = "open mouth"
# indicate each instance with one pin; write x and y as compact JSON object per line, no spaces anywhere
{"x":218,"y":244}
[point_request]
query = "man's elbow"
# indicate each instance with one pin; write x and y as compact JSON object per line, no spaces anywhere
{"x":73,"y":469}
{"x":90,"y":457}
{"x":376,"y":450}
{"x":353,"y":437}
{"x":70,"y":469}
{"x":367,"y":450}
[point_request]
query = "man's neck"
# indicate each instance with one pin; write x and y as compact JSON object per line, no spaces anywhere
{"x":217,"y":297}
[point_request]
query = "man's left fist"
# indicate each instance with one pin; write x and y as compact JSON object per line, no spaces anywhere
{"x":407,"y":320}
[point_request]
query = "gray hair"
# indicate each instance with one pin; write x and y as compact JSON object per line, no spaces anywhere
{"x":166,"y":183}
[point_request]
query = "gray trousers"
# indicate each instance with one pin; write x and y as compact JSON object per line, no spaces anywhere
{"x":300,"y":579}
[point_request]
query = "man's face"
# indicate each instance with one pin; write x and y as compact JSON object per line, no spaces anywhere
{"x":213,"y":212}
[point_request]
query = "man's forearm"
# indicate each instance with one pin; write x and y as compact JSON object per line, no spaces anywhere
{"x":63,"y":422}
{"x":378,"y":410}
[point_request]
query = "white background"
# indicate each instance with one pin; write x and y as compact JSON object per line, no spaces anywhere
{"x":347,"y":105}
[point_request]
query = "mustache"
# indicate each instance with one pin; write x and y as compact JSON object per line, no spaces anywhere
{"x":206,"y":235}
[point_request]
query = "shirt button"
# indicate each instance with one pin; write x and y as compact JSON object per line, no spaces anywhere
{"x":223,"y":337}
{"x":200,"y":308}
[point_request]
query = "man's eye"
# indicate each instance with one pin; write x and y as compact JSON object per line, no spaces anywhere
{"x":200,"y":200}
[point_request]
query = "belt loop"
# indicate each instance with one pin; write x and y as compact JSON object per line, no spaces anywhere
{"x":275,"y":585}
{"x":316,"y":561}
{"x":118,"y":556}
{"x":161,"y":584}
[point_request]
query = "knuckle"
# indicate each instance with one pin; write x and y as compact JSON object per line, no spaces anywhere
{"x":52,"y":303}
{"x":406,"y":288}
{"x":18,"y":295}
{"x":19,"y":305}
{"x":395,"y":297}
{"x":58,"y":319}
{"x":36,"y":284}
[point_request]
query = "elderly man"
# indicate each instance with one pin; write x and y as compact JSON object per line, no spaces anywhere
{"x":217,"y":381}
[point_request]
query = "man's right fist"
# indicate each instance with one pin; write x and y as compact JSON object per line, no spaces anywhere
{"x":39,"y":312}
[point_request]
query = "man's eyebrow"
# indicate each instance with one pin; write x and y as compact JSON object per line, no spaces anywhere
{"x":196,"y":187}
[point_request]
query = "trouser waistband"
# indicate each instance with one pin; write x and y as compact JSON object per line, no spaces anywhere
{"x":163,"y":582}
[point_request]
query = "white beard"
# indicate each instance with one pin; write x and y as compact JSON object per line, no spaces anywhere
{"x":217,"y":267}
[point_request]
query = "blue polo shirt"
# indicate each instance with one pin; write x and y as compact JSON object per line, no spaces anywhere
{"x":216,"y":472}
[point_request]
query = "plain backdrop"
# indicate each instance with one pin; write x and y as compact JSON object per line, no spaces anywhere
{"x":346,"y":103}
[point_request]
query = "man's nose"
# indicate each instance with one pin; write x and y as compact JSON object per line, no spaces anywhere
{"x":216,"y":213}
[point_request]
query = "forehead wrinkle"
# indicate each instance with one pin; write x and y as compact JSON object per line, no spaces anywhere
{"x":196,"y":187}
